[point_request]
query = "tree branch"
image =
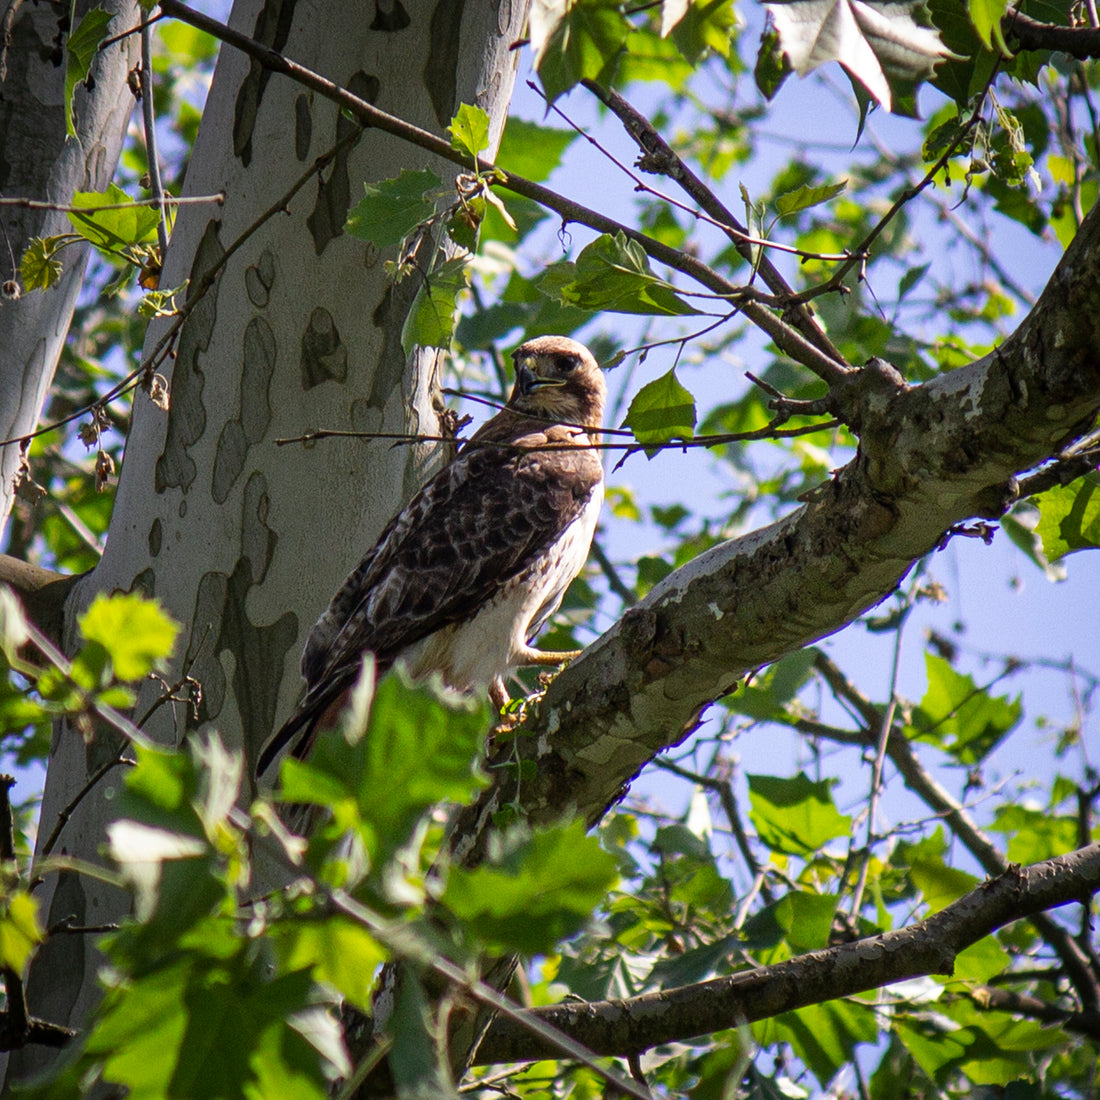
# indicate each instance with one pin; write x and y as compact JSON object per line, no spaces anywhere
{"x":624,"y":1027}
{"x":930,"y":457}
{"x":1026,"y":33}
{"x":788,"y":339}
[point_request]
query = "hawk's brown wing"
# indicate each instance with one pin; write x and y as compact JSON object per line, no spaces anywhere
{"x":482,"y":520}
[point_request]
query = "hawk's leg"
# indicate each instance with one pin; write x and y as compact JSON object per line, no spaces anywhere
{"x":532,"y":656}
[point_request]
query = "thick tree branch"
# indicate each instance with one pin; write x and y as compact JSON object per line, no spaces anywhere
{"x":930,"y":457}
{"x":992,"y":860}
{"x":42,"y":592}
{"x":1025,"y":33}
{"x":629,"y":1026}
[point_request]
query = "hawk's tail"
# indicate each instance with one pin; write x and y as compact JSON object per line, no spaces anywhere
{"x":316,"y":712}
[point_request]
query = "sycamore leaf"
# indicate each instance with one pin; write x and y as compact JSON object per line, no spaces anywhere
{"x":802,"y":198}
{"x":879,"y":44}
{"x":539,"y":889}
{"x":135,"y":632}
{"x":112,"y":230}
{"x":575,"y":40}
{"x":20,"y":931}
{"x":1069,"y":517}
{"x":431,"y":321}
{"x":40,"y":268}
{"x":962,"y":718}
{"x":390,"y":210}
{"x":469,"y":130}
{"x":662,"y":410}
{"x":83,"y":44}
{"x":796,"y":815}
{"x":613,"y":274}
{"x":986,"y":17}
{"x":531,"y":150}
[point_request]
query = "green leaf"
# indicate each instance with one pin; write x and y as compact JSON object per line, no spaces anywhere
{"x":1034,"y":835}
{"x":80,"y":52}
{"x":531,"y":150}
{"x":1069,"y":517}
{"x":796,"y":815}
{"x":111,"y":231}
{"x":575,"y":40}
{"x":662,"y":410}
{"x":20,"y":932}
{"x":337,"y":951}
{"x":535,"y":889}
{"x":767,"y":694}
{"x":420,"y":749}
{"x":192,"y":1028}
{"x":798,"y":922}
{"x":960,"y":717}
{"x":136,"y":633}
{"x":881,"y":45}
{"x":613,"y":273}
{"x":986,"y":16}
{"x":824,"y":1036}
{"x":469,"y":130}
{"x":417,"y":1059}
{"x":39,"y":269}
{"x":392,"y":209}
{"x":699,"y":27}
{"x":772,"y":66}
{"x":431,"y":321}
{"x":802,"y":198}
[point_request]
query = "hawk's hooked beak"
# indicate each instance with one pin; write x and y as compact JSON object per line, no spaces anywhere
{"x":527,"y":381}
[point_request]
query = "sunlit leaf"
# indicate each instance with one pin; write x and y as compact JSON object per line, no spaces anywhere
{"x":135,"y":632}
{"x":661,"y":410}
{"x":1069,"y":517}
{"x":574,"y":40}
{"x":879,"y":44}
{"x":431,"y":321}
{"x":20,"y":931}
{"x":534,"y":890}
{"x":390,"y":210}
{"x":531,"y":150}
{"x":805,"y":197}
{"x":613,"y":273}
{"x":113,"y":230}
{"x":795,"y":815}
{"x":962,"y":718}
{"x":469,"y":130}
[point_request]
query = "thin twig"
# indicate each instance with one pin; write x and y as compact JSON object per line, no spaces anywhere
{"x":156,"y":190}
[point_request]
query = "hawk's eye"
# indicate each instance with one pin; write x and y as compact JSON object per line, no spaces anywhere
{"x":566,"y":363}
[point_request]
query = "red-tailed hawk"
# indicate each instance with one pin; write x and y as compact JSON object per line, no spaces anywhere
{"x":465,"y":575}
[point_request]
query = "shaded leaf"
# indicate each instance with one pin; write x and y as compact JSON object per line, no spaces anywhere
{"x":39,"y":268}
{"x":804,"y":197}
{"x":431,"y":321}
{"x":574,"y":40}
{"x":80,"y":52}
{"x":536,"y":888}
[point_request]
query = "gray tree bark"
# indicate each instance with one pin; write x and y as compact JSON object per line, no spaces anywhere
{"x":244,"y":542}
{"x":39,"y":161}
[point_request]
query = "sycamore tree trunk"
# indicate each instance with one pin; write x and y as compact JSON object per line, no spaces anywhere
{"x":40,"y":161}
{"x":242,"y":541}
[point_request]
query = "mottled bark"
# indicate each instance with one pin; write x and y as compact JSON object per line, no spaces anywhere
{"x":242,"y":541}
{"x":39,"y":161}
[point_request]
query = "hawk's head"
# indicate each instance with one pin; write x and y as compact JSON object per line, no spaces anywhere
{"x":558,"y":379}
